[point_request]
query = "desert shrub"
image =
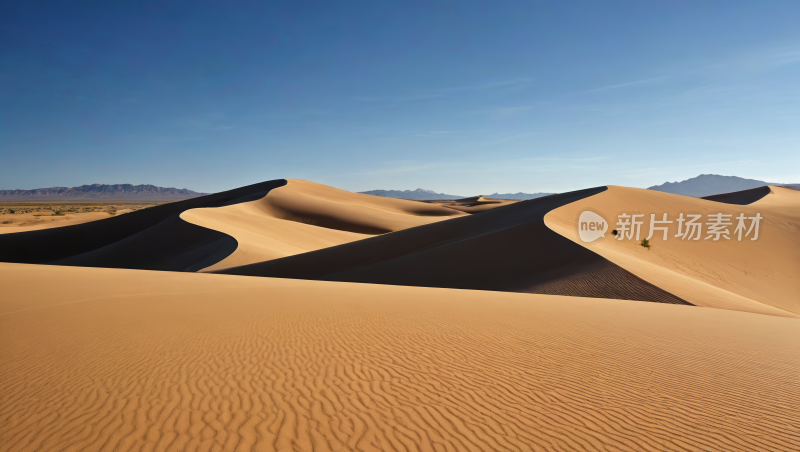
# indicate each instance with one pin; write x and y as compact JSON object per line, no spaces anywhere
{"x":111,"y":210}
{"x":646,"y":243}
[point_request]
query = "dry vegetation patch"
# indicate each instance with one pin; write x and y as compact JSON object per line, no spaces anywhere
{"x":32,"y":213}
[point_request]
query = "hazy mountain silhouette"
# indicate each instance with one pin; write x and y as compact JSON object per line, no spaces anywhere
{"x":102,"y":192}
{"x":421,"y":194}
{"x":710,"y":184}
{"x":520,"y":195}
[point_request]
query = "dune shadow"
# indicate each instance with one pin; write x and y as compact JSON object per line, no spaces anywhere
{"x":741,"y":198}
{"x":508,"y":249}
{"x":155,"y":238}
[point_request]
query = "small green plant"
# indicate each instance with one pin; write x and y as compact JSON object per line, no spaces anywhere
{"x":58,"y":213}
{"x":646,"y":243}
{"x":112,"y":210}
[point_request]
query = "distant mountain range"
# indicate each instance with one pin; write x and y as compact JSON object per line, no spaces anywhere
{"x":418,"y":194}
{"x":101,"y":192}
{"x":711,"y":184}
{"x":421,"y":194}
{"x":520,"y":195}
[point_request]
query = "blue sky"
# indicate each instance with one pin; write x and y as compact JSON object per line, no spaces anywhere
{"x":458,"y":97}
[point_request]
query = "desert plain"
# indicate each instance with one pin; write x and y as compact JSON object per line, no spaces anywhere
{"x":289,"y":315}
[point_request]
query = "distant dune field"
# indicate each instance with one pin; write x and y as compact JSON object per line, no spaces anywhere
{"x":108,"y":359}
{"x":475,"y":204}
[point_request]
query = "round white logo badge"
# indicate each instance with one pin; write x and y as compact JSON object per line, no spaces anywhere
{"x":591,"y":226}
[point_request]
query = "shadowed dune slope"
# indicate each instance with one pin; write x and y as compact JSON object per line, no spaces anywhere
{"x":760,"y":276}
{"x":303,"y":216}
{"x":107,"y":359}
{"x":505,"y":249}
{"x":742,"y":198}
{"x":171,"y":245}
{"x":69,"y":245}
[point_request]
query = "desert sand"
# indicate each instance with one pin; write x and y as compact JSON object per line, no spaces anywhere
{"x":106,"y":359}
{"x":295,"y":316}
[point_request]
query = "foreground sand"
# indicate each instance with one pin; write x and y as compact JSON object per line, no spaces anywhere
{"x":109,"y":359}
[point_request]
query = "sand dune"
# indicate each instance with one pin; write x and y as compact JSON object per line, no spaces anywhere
{"x":756,"y":276}
{"x":303,"y":216}
{"x":507,"y":249}
{"x":106,"y":359}
{"x":298,"y":229}
{"x":246,"y":225}
{"x":474,"y":204}
{"x":520,"y":248}
{"x":118,"y":241}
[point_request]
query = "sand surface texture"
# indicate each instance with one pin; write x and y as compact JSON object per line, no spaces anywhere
{"x":757,"y":276}
{"x":303,"y":216}
{"x":106,"y":359}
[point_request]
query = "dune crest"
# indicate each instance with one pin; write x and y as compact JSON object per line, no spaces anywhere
{"x":756,"y":276}
{"x":154,"y":238}
{"x":304,"y":216}
{"x":108,"y":359}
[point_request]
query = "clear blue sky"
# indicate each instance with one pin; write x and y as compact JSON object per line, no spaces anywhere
{"x":458,"y":97}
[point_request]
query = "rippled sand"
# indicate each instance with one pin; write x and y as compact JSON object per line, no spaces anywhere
{"x":109,"y":359}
